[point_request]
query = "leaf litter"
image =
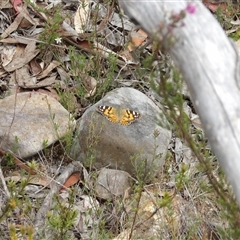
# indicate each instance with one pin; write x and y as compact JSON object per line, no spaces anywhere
{"x":98,"y":30}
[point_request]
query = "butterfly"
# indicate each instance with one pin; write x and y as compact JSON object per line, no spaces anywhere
{"x":118,"y":115}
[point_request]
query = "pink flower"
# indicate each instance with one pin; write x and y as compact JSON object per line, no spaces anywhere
{"x":176,"y":16}
{"x":190,"y":8}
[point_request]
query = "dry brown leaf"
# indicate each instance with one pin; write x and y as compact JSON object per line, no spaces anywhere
{"x":84,"y":44}
{"x":25,"y":24}
{"x":49,"y":69}
{"x":196,"y":122}
{"x":82,"y":17}
{"x":24,"y":11}
{"x":106,"y":52}
{"x":17,"y":4}
{"x":7,"y":54}
{"x":90,"y":84}
{"x":16,"y":40}
{"x":35,"y":67}
{"x":63,"y":75}
{"x":213,"y":6}
{"x":50,"y":92}
{"x":74,"y":178}
{"x":13,"y":26}
{"x":29,"y":53}
{"x":69,"y":31}
{"x":137,"y":38}
{"x":36,"y":179}
{"x":127,"y":55}
{"x":3,"y":73}
{"x":5,"y":4}
{"x":19,"y":163}
{"x":24,"y":79}
{"x":33,"y":85}
{"x":47,"y":81}
{"x":19,"y":51}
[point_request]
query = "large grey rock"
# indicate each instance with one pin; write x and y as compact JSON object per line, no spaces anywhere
{"x":139,"y":148}
{"x":28,"y":120}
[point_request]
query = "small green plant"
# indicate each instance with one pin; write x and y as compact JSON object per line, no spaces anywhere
{"x":165,"y":201}
{"x":146,"y":169}
{"x":91,"y":143}
{"x":67,"y":99}
{"x":170,"y":90}
{"x":14,"y":201}
{"x":8,"y":158}
{"x":15,"y":146}
{"x":45,"y":144}
{"x":108,"y":76}
{"x":85,"y":64}
{"x":182,"y":178}
{"x":138,"y":189}
{"x":62,"y":218}
{"x":50,"y":33}
{"x":142,"y":168}
{"x":80,"y":68}
{"x":68,"y":137}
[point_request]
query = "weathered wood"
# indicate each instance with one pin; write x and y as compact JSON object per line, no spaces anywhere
{"x":208,"y":63}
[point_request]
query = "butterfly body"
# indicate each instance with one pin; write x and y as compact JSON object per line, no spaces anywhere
{"x":118,"y":115}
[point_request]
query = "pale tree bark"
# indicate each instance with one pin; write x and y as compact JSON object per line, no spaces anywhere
{"x":209,"y":64}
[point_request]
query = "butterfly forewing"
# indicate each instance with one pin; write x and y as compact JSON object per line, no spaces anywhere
{"x":108,"y":112}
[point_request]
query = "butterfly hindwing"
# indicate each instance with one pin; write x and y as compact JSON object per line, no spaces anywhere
{"x":129,"y":116}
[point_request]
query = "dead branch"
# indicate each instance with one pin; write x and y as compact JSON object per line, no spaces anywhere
{"x":209,"y":64}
